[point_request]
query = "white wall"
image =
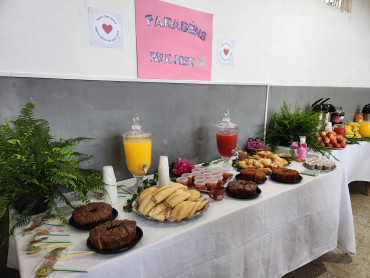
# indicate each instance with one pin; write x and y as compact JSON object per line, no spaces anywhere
{"x":281,"y":42}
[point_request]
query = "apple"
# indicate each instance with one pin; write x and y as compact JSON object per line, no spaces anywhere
{"x":342,"y":145}
{"x":323,"y":133}
{"x":340,"y":139}
{"x":336,"y":145}
{"x":319,"y":138}
{"x":340,"y":136}
{"x":333,"y":141}
{"x":344,"y":140}
{"x":329,"y":145}
{"x":331,"y":136}
{"x":326,"y":140}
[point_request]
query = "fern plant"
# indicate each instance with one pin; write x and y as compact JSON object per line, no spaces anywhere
{"x":289,"y":125}
{"x":34,"y":167}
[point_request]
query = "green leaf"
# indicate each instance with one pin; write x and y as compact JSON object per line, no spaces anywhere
{"x":33,"y":164}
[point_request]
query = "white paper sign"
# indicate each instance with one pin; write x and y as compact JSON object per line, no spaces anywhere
{"x":106,"y":28}
{"x":225,"y":52}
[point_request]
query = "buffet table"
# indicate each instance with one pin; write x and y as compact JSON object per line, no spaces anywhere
{"x":287,"y":226}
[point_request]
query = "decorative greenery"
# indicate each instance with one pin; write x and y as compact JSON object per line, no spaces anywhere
{"x":146,"y":184}
{"x":357,"y":140}
{"x":288,"y":126}
{"x":206,"y":164}
{"x":34,"y":167}
{"x":234,"y":164}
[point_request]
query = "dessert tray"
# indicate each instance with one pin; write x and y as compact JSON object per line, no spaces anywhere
{"x":297,"y":181}
{"x":322,"y":171}
{"x":135,"y":207}
{"x":74,"y":225}
{"x":207,"y":191}
{"x":138,"y":237}
{"x":258,"y":192}
{"x":237,"y":177}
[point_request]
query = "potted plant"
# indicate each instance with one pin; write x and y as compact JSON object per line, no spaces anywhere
{"x":288,"y":125}
{"x":255,"y":145}
{"x":34,"y":167}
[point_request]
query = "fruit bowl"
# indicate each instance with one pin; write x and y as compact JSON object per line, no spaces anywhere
{"x":332,"y":140}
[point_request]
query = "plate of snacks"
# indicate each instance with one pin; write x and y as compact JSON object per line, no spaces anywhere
{"x":112,"y":237}
{"x":286,"y":176}
{"x":265,"y":161}
{"x":173,"y":202}
{"x":252,"y":174}
{"x":243,"y":189}
{"x":88,"y":216}
{"x":320,"y":163}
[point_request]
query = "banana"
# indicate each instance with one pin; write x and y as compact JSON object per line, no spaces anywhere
{"x":352,"y":130}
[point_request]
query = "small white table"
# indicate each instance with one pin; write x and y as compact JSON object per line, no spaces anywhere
{"x":356,"y":161}
{"x":287,"y":226}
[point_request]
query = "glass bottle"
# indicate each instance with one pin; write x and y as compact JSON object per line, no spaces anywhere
{"x":359,"y":117}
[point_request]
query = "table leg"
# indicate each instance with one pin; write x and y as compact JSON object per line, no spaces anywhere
{"x":367,"y":188}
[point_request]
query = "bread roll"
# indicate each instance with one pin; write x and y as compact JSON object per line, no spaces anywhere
{"x":157,"y":209}
{"x":194,"y":195}
{"x":185,"y":210}
{"x":160,"y":195}
{"x":160,"y":216}
{"x":145,"y":193}
{"x":177,"y":199}
{"x":195,"y":209}
{"x":147,"y":205}
{"x":171,"y":202}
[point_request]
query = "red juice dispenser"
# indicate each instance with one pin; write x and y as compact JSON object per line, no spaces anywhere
{"x":227,"y":138}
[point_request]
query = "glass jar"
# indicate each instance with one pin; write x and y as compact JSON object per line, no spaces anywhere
{"x":339,"y":129}
{"x":138,"y":150}
{"x":226,"y":137}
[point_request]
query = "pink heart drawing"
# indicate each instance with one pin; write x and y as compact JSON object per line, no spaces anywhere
{"x":107,"y":28}
{"x":226,"y":51}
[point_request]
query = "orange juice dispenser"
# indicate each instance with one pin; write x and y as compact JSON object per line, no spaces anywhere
{"x":138,"y":150}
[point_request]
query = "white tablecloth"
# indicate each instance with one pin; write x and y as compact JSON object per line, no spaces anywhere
{"x":288,"y":226}
{"x":355,"y":160}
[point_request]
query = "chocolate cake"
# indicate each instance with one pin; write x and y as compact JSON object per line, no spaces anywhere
{"x":242,"y":188}
{"x":92,"y":214}
{"x":287,"y":175}
{"x":112,"y":235}
{"x":252,"y":174}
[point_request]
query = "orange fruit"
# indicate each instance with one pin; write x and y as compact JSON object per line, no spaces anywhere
{"x":365,"y":129}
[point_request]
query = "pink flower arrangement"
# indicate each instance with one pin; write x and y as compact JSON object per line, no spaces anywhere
{"x":255,"y":144}
{"x":181,"y":167}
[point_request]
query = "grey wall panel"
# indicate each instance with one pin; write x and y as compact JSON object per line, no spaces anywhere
{"x":181,"y":117}
{"x":349,"y":98}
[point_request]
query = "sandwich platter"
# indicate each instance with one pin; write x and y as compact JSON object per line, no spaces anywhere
{"x":135,"y":208}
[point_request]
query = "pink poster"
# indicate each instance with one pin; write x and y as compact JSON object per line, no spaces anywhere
{"x":172,"y":42}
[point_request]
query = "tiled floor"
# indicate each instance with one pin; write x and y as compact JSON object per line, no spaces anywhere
{"x":333,"y":264}
{"x":337,"y":264}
